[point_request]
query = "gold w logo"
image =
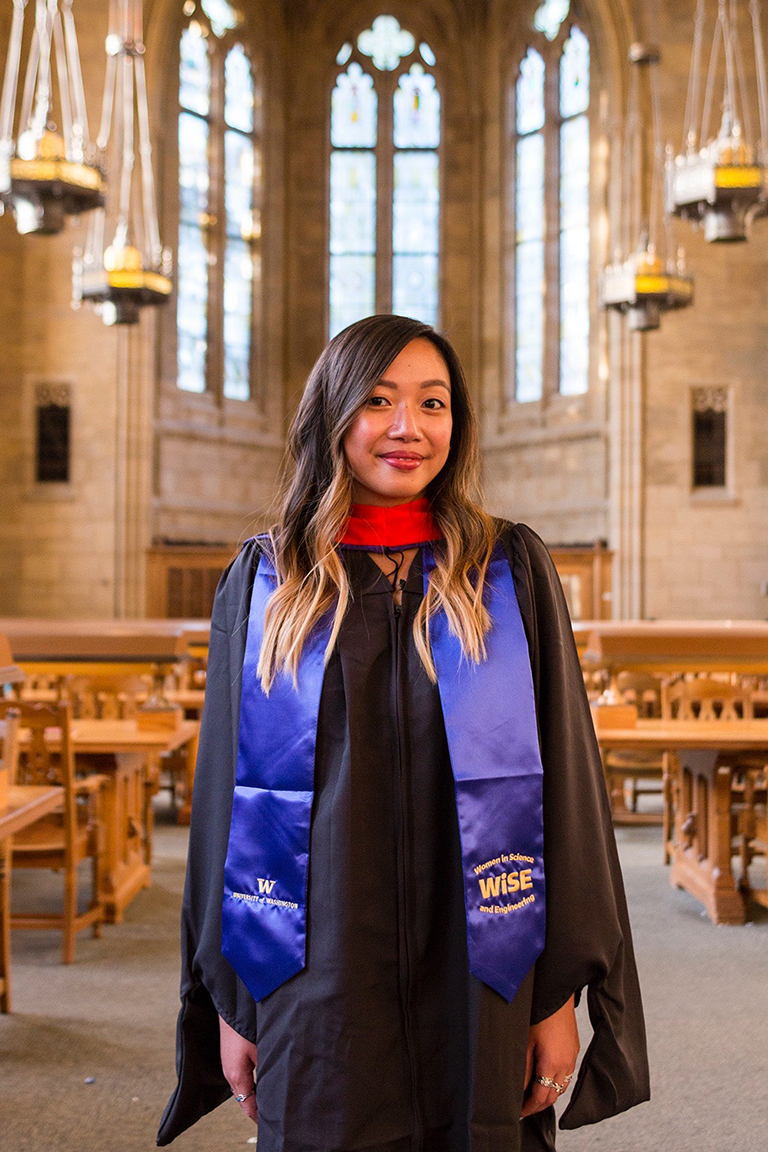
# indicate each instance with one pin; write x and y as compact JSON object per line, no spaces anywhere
{"x":265,"y":885}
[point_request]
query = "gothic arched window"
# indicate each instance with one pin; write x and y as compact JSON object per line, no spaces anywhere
{"x":550,"y":137}
{"x":219,"y":254}
{"x":384,"y":178}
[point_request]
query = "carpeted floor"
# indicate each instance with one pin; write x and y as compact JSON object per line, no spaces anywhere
{"x":86,"y":1059}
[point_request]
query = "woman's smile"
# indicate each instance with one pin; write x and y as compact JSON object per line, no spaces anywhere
{"x":405,"y":461}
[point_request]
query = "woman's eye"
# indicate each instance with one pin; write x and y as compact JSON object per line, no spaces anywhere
{"x":374,"y":400}
{"x":436,"y":401}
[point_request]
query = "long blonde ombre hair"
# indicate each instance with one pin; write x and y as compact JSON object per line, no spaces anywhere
{"x":317,"y":499}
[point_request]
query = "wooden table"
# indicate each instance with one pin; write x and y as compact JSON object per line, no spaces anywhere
{"x":668,"y":646}
{"x":705,"y":754}
{"x":26,"y":804}
{"x":129,"y":757}
{"x":190,"y":699}
{"x":34,"y":639}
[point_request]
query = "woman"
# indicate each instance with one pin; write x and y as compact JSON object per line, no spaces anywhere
{"x":395,"y":703}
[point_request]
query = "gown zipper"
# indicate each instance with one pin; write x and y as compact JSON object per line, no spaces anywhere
{"x":405,"y":843}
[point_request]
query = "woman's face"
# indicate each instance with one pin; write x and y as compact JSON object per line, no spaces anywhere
{"x":400,"y":438}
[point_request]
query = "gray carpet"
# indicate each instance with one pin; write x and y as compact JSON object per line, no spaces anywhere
{"x":87,"y":1056}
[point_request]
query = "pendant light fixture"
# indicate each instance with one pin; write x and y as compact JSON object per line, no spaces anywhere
{"x":720,"y":178}
{"x":48,"y":170}
{"x":646,"y":277}
{"x":124,"y":266}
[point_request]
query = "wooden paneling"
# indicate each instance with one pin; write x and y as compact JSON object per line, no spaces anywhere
{"x":181,"y":580}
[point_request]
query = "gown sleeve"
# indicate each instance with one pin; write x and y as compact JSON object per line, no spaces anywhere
{"x":588,"y":937}
{"x":209,"y":986}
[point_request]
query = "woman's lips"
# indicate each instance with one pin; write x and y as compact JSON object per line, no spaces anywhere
{"x":404,"y":463}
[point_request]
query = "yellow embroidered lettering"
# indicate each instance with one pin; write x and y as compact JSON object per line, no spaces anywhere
{"x":490,"y":887}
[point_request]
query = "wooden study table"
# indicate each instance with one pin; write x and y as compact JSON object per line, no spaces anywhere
{"x":664,"y":647}
{"x":27,"y":803}
{"x":129,"y":757}
{"x":705,"y":754}
{"x":93,"y":647}
{"x":189,"y":699}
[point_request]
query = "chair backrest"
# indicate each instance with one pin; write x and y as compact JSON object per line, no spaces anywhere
{"x":643,"y":690}
{"x":40,"y":762}
{"x":105,"y":696}
{"x":9,"y":738}
{"x":40,"y":688}
{"x":705,"y":698}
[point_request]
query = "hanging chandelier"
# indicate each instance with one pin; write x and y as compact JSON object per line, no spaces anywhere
{"x":124,"y":266}
{"x":646,"y":277}
{"x":722,"y":179}
{"x":49,"y":170}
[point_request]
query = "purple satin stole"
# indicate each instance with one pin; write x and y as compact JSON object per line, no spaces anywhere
{"x":490,"y":723}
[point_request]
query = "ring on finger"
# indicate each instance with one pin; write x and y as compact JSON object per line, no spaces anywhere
{"x":548,"y":1082}
{"x":240,"y":1097}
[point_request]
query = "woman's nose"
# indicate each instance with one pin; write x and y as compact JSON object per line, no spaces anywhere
{"x":405,"y":421}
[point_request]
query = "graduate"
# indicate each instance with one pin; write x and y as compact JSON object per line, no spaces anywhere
{"x":402,"y":870}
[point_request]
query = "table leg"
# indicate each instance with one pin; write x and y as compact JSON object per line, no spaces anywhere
{"x":185,"y":811}
{"x":125,"y":871}
{"x":5,"y":925}
{"x":701,"y":856}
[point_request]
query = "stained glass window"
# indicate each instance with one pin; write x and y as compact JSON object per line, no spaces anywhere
{"x":192,"y":260}
{"x":386,"y":43}
{"x":529,"y":267}
{"x":195,"y":78}
{"x":353,"y":237}
{"x":549,"y":16}
{"x":219,"y":217}
{"x":417,"y":110}
{"x":221,"y":15}
{"x":530,"y":93}
{"x":238,"y":259}
{"x":551,"y":140}
{"x":529,"y":230}
{"x":353,"y":198}
{"x":353,"y":114}
{"x":574,"y":215}
{"x":574,"y":74}
{"x":385,"y":134}
{"x":415,"y":235}
{"x":238,"y":100}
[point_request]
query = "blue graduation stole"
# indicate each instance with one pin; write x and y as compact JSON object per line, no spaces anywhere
{"x":490,"y":722}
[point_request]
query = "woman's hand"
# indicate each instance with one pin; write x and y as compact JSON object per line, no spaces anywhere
{"x":238,"y":1062}
{"x":553,"y":1046}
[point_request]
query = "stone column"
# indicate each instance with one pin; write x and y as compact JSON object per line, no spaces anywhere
{"x":133,"y":464}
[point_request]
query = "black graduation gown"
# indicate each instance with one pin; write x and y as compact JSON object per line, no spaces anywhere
{"x":385,"y":1041}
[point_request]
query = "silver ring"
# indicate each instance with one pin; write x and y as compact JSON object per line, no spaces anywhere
{"x":240,"y":1097}
{"x":548,"y":1082}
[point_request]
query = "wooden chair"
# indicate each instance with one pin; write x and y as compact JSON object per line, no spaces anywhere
{"x":706,"y":699}
{"x":625,"y":769}
{"x":9,"y":760}
{"x":63,"y":840}
{"x":106,"y":696}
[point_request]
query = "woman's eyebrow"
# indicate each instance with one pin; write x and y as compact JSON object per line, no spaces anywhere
{"x":424,"y":384}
